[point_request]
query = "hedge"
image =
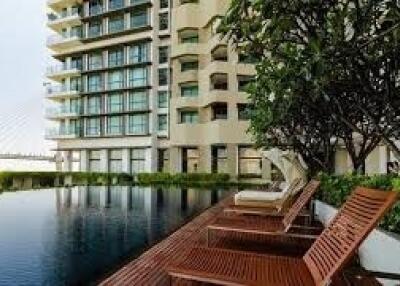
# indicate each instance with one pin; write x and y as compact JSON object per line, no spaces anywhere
{"x":335,"y":189}
{"x":179,"y":179}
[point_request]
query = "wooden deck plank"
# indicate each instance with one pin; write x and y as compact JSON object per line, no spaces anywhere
{"x":149,"y":268}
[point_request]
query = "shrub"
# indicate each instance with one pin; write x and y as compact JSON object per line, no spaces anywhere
{"x":334,"y":190}
{"x":177,"y":179}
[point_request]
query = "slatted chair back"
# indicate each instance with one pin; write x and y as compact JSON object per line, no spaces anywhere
{"x":300,"y":203}
{"x":340,"y":240}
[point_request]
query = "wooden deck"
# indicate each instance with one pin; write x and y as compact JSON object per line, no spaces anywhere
{"x":149,"y":268}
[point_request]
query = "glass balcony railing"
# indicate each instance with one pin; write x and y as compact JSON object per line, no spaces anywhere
{"x":96,"y":10}
{"x":54,"y":90}
{"x":62,"y":132}
{"x":53,"y":17}
{"x":58,"y":69}
{"x":58,"y":39}
{"x":63,"y":111}
{"x":116,"y":4}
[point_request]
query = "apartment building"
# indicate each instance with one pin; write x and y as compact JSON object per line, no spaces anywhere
{"x":148,"y":85}
{"x":110,"y":89}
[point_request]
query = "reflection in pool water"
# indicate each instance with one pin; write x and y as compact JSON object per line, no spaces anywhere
{"x":74,"y":236}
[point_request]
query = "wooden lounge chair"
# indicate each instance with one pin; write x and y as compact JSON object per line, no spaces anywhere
{"x":327,"y":256}
{"x":275,"y":200}
{"x":270,"y":226}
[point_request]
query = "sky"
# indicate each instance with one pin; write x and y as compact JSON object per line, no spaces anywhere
{"x":23,"y":61}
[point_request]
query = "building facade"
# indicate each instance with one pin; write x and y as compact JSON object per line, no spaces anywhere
{"x":146,"y":86}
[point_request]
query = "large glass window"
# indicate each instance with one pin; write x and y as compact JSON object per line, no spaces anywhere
{"x":116,"y":24}
{"x":115,"y":4}
{"x":116,"y":79}
{"x":164,"y":4}
{"x":95,"y":61}
{"x":94,"y":104}
{"x":94,"y":161}
{"x":163,"y":76}
{"x":115,"y":103}
{"x":189,"y":90}
{"x":139,"y":19}
{"x":93,"y":127}
{"x":76,"y":63}
{"x":164,"y":21}
{"x":162,"y":99}
{"x":75,"y":84}
{"x":139,"y":53}
{"x":189,"y":117}
{"x":95,"y":83}
{"x":163,"y":54}
{"x":95,"y":29}
{"x":219,"y":158}
{"x":219,"y":111}
{"x":138,"y":124}
{"x":162,"y":122}
{"x":138,"y":160}
{"x":138,"y":77}
{"x":250,"y":162}
{"x":138,"y":100}
{"x":187,"y":66}
{"x":95,"y":7}
{"x":115,"y":125}
{"x":116,"y":58}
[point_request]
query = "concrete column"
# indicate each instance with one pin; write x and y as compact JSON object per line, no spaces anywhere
{"x":232,"y":159}
{"x":104,"y":160}
{"x":384,"y":155}
{"x":126,"y":161}
{"x":205,"y":159}
{"x":84,"y":161}
{"x":67,"y":161}
{"x":175,"y":160}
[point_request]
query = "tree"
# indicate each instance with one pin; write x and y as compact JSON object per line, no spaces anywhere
{"x":338,"y":59}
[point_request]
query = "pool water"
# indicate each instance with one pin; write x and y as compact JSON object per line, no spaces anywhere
{"x":75,"y":236}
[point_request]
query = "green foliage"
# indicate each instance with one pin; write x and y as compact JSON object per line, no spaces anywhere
{"x":180,"y":179}
{"x":334,"y":190}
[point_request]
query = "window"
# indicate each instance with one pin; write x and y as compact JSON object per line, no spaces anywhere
{"x":94,"y":104}
{"x":243,"y":111}
{"x":94,"y":161}
{"x":115,"y":103}
{"x":115,"y":4}
{"x":138,"y":100}
{"x":115,"y":161}
{"x":138,"y":160}
{"x":191,"y":39}
{"x":138,"y":53}
{"x":244,"y":81}
{"x":190,"y":160}
{"x":93,"y":126}
{"x":95,"y":83}
{"x":139,"y":19}
{"x":219,"y":81}
{"x":138,"y":77}
{"x":163,"y":76}
{"x":95,"y":61}
{"x":95,"y":7}
{"x":163,"y":54}
{"x":115,"y":125}
{"x":95,"y":29}
{"x":250,"y":162}
{"x":76,"y":31}
{"x":162,"y":99}
{"x":163,"y":25}
{"x":219,"y":158}
{"x":75,"y":84}
{"x":189,"y":90}
{"x":76,"y":63}
{"x":186,"y":66}
{"x":163,"y":159}
{"x":75,"y":106}
{"x":189,"y":117}
{"x":138,"y":124}
{"x":219,"y":111}
{"x":116,"y":58}
{"x":246,"y":58}
{"x":116,"y":24}
{"x":162,"y":122}
{"x":164,"y":4}
{"x":116,"y":79}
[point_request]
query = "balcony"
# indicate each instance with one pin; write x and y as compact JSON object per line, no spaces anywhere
{"x":57,"y":72}
{"x":114,"y":6}
{"x":61,"y":133}
{"x":57,"y":42}
{"x":62,"y":112}
{"x":62,"y":91}
{"x":59,"y":4}
{"x":60,"y":21}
